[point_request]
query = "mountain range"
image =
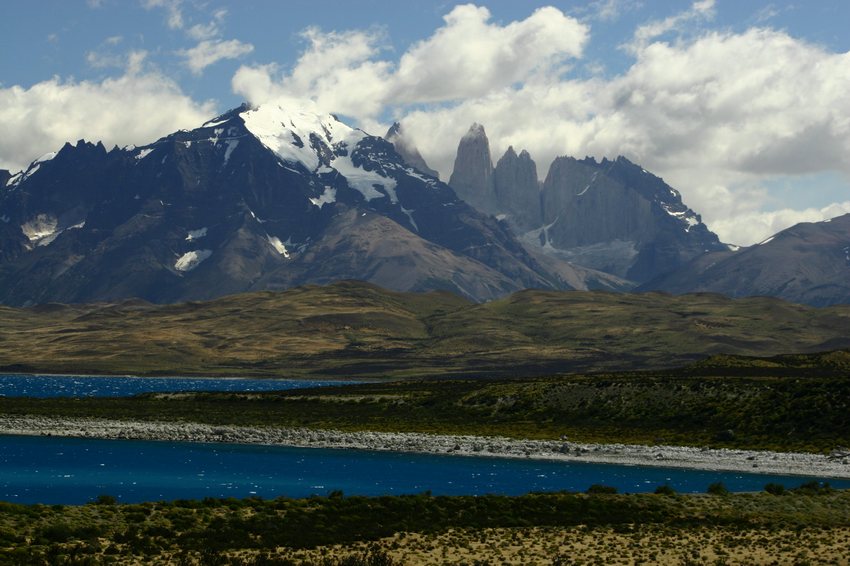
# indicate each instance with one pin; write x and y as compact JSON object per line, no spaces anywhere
{"x":277,"y":196}
{"x":258,"y":198}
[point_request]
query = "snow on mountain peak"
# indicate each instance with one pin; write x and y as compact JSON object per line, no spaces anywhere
{"x":292,"y":132}
{"x":299,"y":133}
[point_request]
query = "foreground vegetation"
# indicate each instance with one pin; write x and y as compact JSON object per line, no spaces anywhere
{"x":561,"y":528}
{"x":354,"y":329}
{"x":788,"y":403}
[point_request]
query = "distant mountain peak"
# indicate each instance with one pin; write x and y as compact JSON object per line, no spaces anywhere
{"x":408,"y":151}
{"x":476,"y":130}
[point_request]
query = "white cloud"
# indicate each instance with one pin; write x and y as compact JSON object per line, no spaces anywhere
{"x":700,"y":10}
{"x":717,"y":114}
{"x":173,"y":9}
{"x":209,"y":30}
{"x":755,"y":227}
{"x":208,"y":52}
{"x":611,"y":10}
{"x":468,"y":56}
{"x":131,"y":109}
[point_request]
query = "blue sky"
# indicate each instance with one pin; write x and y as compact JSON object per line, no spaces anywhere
{"x":740,"y":105}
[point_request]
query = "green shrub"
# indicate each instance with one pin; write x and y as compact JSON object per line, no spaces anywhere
{"x":599,"y":488}
{"x":814,"y":487}
{"x":665,"y":490}
{"x":717,"y":488}
{"x":105,"y":499}
{"x":775,"y":488}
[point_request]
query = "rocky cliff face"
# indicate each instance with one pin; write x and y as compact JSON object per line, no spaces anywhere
{"x":472,"y":176}
{"x":619,"y":218}
{"x":516,"y":191}
{"x":612,"y":216}
{"x":807,"y":263}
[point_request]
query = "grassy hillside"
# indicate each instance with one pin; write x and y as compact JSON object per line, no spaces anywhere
{"x":355,"y":329}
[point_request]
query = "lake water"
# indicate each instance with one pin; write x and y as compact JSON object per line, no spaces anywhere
{"x":53,"y":470}
{"x":124,"y":386}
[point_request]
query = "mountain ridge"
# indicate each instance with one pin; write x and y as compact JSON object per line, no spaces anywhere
{"x":239,"y":203}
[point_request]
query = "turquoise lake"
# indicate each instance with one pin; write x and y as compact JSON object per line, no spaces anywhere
{"x":14,"y":385}
{"x":53,"y":470}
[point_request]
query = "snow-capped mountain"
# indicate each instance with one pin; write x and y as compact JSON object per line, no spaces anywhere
{"x":612,"y":216}
{"x":258,"y":198}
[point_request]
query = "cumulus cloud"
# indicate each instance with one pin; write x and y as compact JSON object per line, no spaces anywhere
{"x":131,"y":109}
{"x":469,"y":56}
{"x":209,"y":52}
{"x":717,"y":114}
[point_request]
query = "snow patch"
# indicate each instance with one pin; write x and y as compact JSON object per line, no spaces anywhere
{"x":365,"y":182}
{"x":213,"y":123}
{"x":40,"y":228}
{"x":733,"y":247}
{"x":255,"y":217}
{"x":327,"y":197}
{"x":409,"y":214}
{"x":687,"y":216}
{"x":144,"y":153}
{"x":46,"y":157}
{"x":592,"y":180}
{"x":766,"y":241}
{"x":231,"y":145}
{"x":193,"y":235}
{"x":191,"y":260}
{"x":279,"y":246}
{"x":415,"y":174}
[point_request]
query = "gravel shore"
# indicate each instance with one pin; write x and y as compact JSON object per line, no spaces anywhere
{"x":785,"y":463}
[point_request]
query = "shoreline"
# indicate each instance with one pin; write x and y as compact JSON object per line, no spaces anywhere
{"x":712,"y":459}
{"x":190,"y":376}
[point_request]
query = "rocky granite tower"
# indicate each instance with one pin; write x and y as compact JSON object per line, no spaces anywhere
{"x":472,"y":177}
{"x":516,"y":189}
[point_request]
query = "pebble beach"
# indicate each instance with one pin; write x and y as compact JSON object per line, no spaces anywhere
{"x":836,"y":465}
